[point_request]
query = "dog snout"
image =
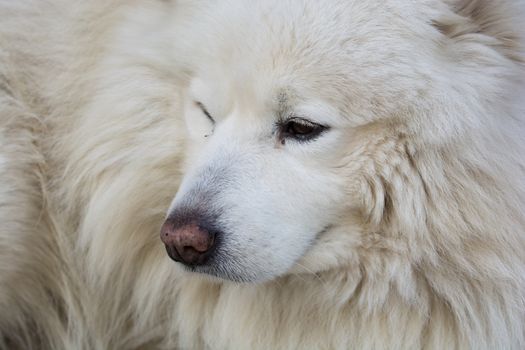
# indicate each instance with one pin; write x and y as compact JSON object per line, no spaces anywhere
{"x":189,"y":243}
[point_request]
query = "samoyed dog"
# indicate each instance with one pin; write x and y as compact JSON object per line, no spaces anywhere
{"x":277,"y":174}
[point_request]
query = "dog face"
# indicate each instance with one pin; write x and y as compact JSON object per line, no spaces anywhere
{"x":289,"y":112}
{"x":266,"y":151}
{"x":270,"y":114}
{"x":265,"y":183}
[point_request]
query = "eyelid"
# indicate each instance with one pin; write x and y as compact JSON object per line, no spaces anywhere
{"x":205,"y":111}
{"x":302,"y":121}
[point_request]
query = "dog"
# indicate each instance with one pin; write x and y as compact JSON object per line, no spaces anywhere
{"x":279,"y":174}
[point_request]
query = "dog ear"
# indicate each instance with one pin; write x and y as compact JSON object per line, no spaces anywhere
{"x":497,"y":23}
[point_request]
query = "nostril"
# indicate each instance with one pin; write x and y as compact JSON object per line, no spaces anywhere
{"x":191,"y":255}
{"x":190,"y":249}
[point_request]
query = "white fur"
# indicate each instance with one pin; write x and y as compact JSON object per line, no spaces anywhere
{"x":399,"y":227}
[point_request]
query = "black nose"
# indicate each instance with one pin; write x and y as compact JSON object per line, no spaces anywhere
{"x":188,"y":243}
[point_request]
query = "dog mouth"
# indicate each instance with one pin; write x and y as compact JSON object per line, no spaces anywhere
{"x":220,"y":273}
{"x":221,"y":265}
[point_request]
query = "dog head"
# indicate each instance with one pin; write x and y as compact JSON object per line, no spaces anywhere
{"x":307,"y":125}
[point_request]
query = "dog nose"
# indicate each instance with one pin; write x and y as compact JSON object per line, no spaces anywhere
{"x":189,"y":244}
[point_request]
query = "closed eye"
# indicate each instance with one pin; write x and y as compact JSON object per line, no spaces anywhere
{"x":205,"y":111}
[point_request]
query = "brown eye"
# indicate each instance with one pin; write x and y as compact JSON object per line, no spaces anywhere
{"x":301,"y":129}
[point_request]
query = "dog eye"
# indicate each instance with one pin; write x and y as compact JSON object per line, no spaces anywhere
{"x":205,"y":111}
{"x":301,"y":129}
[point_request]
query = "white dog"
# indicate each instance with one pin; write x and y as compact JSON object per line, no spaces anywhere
{"x":342,"y":174}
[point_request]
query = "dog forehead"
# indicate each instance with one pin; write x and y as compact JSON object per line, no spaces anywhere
{"x":309,"y":45}
{"x":287,"y":31}
{"x":335,"y":52}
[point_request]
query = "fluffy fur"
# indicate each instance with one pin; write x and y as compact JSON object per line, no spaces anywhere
{"x":417,"y":188}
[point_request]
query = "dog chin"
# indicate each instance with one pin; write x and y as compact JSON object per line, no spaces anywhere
{"x":222,"y":273}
